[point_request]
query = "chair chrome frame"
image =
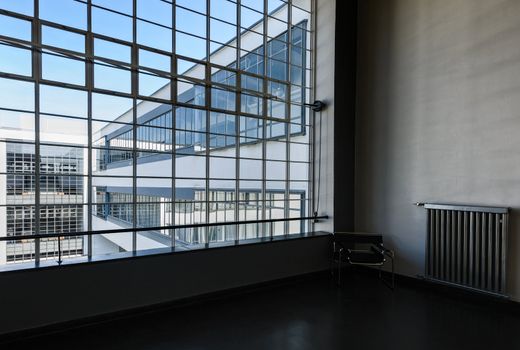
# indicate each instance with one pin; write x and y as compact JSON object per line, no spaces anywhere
{"x":343,"y":254}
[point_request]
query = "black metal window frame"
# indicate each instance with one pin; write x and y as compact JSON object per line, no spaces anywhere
{"x":38,"y":49}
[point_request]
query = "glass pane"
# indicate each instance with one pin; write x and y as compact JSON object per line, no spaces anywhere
{"x":191,"y":69}
{"x":223,"y":55}
{"x":299,"y":152}
{"x":21,"y":6}
{"x":111,"y":24}
{"x":190,"y":93}
{"x":222,"y":168}
{"x":63,"y":130}
{"x":223,"y":32}
{"x":251,"y":169}
{"x":15,"y":94}
{"x":112,"y":108}
{"x":16,"y":125}
{"x":249,"y":17}
{"x":276,"y":150}
{"x":155,"y":36}
{"x":299,"y":14}
{"x":223,"y":76}
{"x":108,"y":49}
{"x":61,"y":189}
{"x":224,"y":10}
{"x":157,"y":159}
{"x":223,"y":99}
{"x":153,"y":85}
{"x":254,"y":4}
{"x":63,"y":39}
{"x":299,"y":171}
{"x":114,"y":244}
{"x":114,"y":150}
{"x":157,"y":11}
{"x":60,"y":68}
{"x":154,"y":60}
{"x":275,"y":171}
{"x":194,"y":5}
{"x":190,"y":46}
{"x":69,"y":13}
{"x":251,"y":104}
{"x":15,"y":28}
{"x":123,"y":6}
{"x":109,"y":77}
{"x":15,"y":60}
{"x":190,"y":22}
{"x":190,"y":166}
{"x":63,"y":160}
{"x":275,"y":6}
{"x":63,"y":101}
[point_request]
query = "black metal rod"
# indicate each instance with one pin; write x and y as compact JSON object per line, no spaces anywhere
{"x":466,"y":208}
{"x":59,"y":250}
{"x":156,"y":228}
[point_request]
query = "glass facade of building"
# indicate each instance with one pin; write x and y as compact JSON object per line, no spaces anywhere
{"x":138,"y":114}
{"x":61,"y":197}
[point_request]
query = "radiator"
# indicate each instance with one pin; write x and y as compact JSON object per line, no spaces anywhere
{"x":467,"y":246}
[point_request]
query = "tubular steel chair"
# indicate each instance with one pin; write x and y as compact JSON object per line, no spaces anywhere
{"x":373,"y":254}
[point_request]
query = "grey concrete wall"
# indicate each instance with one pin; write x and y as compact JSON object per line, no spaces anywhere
{"x":438,"y":116}
{"x":41,"y":297}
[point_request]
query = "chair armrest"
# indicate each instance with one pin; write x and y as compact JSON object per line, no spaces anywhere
{"x":383,"y":251}
{"x":337,"y":246}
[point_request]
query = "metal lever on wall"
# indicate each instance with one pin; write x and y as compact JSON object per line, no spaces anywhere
{"x":317,"y":106}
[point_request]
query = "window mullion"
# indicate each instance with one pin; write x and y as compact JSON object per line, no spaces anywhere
{"x":173,"y":126}
{"x":312,"y":136}
{"x":89,"y":81}
{"x":135,"y":91}
{"x":207,"y":101}
{"x":287,"y":105}
{"x":36,"y":61}
{"x":263,"y":197}
{"x":238,"y":99}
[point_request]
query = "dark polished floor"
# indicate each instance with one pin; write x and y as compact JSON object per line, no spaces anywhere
{"x":310,"y":314}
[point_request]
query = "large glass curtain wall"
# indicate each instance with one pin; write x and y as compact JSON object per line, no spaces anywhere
{"x":147,"y":113}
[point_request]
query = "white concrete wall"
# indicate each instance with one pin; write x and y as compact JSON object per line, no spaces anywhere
{"x":123,"y":240}
{"x":325,"y":32}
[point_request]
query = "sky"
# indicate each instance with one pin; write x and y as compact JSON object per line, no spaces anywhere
{"x":20,"y":95}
